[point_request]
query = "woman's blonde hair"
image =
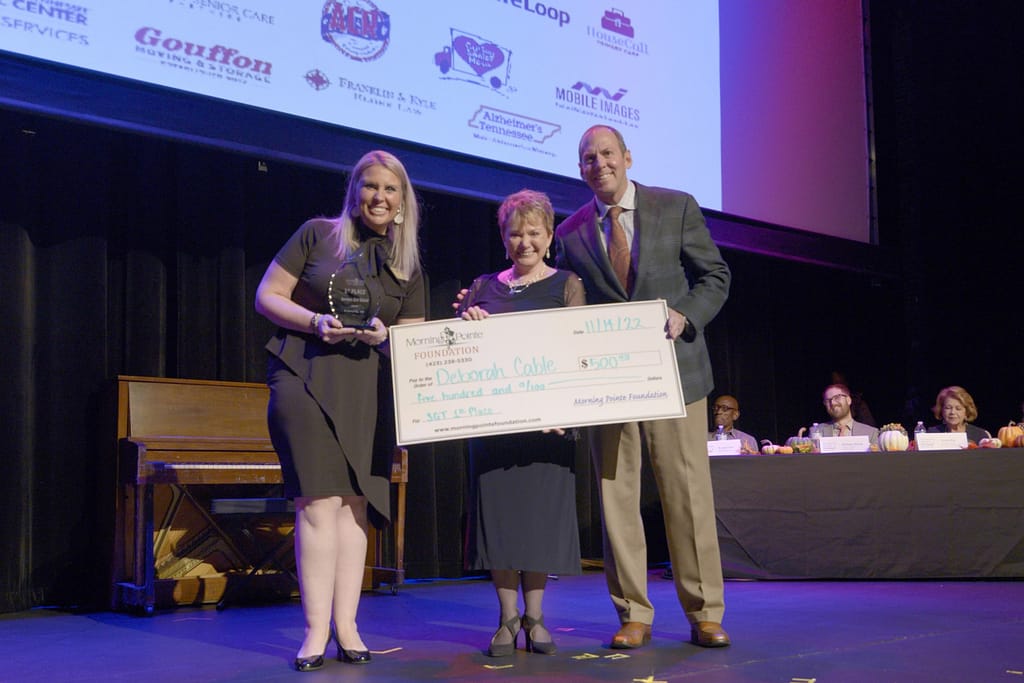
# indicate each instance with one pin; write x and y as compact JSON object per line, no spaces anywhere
{"x":402,"y":234}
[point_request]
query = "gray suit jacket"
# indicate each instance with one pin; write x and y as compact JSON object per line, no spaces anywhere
{"x":676,"y":260}
{"x":857,"y":429}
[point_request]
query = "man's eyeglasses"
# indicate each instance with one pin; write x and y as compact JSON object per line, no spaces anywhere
{"x":836,"y":399}
{"x":722,"y":409}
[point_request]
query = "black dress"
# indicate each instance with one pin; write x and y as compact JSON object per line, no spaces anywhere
{"x":522,"y":487}
{"x":974,"y":432}
{"x":328,"y":414}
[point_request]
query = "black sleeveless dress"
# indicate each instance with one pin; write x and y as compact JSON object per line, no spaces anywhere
{"x":330,"y":416}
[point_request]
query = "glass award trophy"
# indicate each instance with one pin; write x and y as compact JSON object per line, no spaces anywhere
{"x":349,"y":298}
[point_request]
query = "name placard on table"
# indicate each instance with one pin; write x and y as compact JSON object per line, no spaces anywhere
{"x":724,"y":447}
{"x":941,"y":441}
{"x":534,"y":370}
{"x":844,"y":444}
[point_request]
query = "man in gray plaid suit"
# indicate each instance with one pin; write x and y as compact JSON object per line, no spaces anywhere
{"x":671,"y":256}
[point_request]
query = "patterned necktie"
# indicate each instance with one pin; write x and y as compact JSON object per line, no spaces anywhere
{"x":618,"y":248}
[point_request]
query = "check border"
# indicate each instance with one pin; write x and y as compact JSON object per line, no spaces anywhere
{"x":534,"y":370}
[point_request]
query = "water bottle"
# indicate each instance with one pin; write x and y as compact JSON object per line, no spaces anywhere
{"x":720,"y":433}
{"x":919,"y":429}
{"x":816,"y":437}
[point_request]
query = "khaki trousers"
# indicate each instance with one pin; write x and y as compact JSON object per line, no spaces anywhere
{"x":678,"y":453}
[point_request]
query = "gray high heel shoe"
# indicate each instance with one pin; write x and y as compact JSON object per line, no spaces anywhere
{"x":544,"y":647}
{"x":505,"y":649}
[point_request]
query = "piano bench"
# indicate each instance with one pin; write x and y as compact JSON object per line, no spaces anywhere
{"x":252,"y":506}
{"x":256,"y":507}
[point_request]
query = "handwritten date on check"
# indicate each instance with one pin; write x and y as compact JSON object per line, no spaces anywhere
{"x":517,"y":372}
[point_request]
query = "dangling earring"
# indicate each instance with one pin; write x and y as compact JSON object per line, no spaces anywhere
{"x":547,"y":254}
{"x":398,"y":217}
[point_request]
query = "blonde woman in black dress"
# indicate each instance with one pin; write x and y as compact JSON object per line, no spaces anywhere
{"x":522,"y":510}
{"x":323,"y":376}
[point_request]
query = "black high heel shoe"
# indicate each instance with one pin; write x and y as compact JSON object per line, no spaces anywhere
{"x":513,"y":626}
{"x":315,"y":662}
{"x":351,"y":656}
{"x":309,"y":663}
{"x":544,"y":647}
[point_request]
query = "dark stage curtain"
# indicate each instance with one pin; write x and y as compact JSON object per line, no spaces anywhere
{"x":130,"y":255}
{"x":124,"y":254}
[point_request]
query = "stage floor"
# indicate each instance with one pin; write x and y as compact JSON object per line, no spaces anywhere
{"x":782,"y":631}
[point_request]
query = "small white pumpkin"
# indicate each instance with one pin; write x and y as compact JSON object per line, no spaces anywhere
{"x":893,"y":437}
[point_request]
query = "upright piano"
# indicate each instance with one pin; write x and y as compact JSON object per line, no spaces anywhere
{"x":181,"y":444}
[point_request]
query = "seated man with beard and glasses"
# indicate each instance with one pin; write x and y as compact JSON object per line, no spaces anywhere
{"x":836,"y":398}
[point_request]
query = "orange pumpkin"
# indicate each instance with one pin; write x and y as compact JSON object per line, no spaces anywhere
{"x":1019,"y":441}
{"x":1008,"y":434}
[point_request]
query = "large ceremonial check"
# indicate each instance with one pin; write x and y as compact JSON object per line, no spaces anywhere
{"x":518,"y":372}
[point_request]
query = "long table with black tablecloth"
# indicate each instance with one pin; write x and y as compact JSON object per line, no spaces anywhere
{"x":902,"y":515}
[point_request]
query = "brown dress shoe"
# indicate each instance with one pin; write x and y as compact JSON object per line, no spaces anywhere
{"x":708,"y":634}
{"x":633,"y":634}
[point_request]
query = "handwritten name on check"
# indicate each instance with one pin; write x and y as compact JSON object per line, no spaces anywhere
{"x":534,"y":370}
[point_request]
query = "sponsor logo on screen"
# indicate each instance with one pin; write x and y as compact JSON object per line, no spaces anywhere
{"x":317,"y":79}
{"x":584,"y":98}
{"x":358,"y":28}
{"x":476,"y":60}
{"x":509,"y":128}
{"x":201,"y":58}
{"x":370,"y":94}
{"x":48,"y":19}
{"x":542,"y":10}
{"x":615,"y":30}
{"x":227,"y":10}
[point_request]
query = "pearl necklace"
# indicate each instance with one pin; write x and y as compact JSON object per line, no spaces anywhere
{"x":515,"y":287}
